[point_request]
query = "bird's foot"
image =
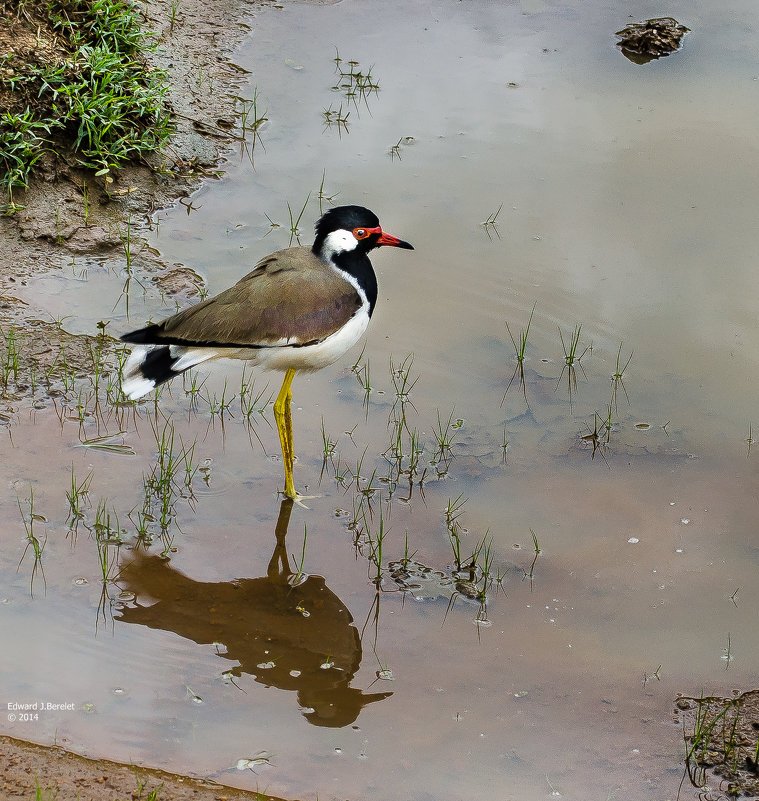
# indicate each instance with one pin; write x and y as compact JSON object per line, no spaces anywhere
{"x":298,"y":499}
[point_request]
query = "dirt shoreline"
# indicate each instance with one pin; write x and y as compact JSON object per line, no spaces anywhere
{"x":65,"y":776}
{"x":69,"y":213}
{"x":59,"y":222}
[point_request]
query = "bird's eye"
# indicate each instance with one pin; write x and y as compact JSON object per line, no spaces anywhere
{"x":360,"y":233}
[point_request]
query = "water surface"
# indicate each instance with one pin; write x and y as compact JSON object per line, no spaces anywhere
{"x":626,"y":208}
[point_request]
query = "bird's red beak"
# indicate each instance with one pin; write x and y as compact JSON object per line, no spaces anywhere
{"x":393,"y":241}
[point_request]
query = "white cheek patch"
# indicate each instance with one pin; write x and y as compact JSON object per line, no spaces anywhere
{"x":338,"y":242}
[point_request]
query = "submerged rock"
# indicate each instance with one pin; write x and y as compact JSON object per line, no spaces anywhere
{"x":643,"y":41}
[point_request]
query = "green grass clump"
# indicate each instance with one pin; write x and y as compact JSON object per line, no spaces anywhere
{"x":80,"y":86}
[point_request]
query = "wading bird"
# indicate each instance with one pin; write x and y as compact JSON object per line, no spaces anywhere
{"x":298,"y":309}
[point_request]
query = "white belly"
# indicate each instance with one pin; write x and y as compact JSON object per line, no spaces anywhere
{"x":308,"y":357}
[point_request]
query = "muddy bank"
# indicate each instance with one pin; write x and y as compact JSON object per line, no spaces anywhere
{"x":68,"y":213}
{"x":26,"y":770}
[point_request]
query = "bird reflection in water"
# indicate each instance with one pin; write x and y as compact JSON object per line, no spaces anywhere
{"x":293,"y":630}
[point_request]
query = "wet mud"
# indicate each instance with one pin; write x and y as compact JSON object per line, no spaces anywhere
{"x":722,"y":741}
{"x":34,"y":771}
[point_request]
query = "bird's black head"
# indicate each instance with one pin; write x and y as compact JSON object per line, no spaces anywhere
{"x":345,"y":218}
{"x":351,"y":228}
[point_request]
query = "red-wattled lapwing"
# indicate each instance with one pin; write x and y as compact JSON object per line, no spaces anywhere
{"x":299,"y":309}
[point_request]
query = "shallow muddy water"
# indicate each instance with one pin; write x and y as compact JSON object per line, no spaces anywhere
{"x":626,"y":197}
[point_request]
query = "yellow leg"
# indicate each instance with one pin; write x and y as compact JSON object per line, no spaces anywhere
{"x":289,"y":422}
{"x":283,"y":418}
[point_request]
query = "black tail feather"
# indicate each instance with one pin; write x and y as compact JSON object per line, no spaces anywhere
{"x":158,"y":364}
{"x":142,"y":336}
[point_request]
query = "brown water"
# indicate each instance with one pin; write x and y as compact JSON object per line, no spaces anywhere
{"x":628,"y":197}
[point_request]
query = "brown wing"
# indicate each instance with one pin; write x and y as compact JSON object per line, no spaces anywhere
{"x":291,"y":295}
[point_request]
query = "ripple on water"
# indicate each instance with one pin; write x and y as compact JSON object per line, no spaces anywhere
{"x":214,"y":480}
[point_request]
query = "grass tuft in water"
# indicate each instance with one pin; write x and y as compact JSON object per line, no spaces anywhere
{"x":572,"y":359}
{"x":336,"y":118}
{"x":445,"y":435}
{"x":453,"y":511}
{"x":10,"y":358}
{"x":295,"y":221}
{"x":32,"y":540}
{"x":77,"y":496}
{"x":537,"y":550}
{"x":362,"y":372}
{"x":617,"y":379}
{"x":520,"y":348}
{"x":300,"y":575}
{"x":107,"y":533}
{"x":252,"y":119}
{"x":219,"y":406}
{"x":395,"y":150}
{"x":323,"y":196}
{"x":169,"y":479}
{"x":595,"y":437}
{"x":329,"y":447}
{"x":355,"y":84}
{"x":490,"y":224}
{"x":402,"y":381}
